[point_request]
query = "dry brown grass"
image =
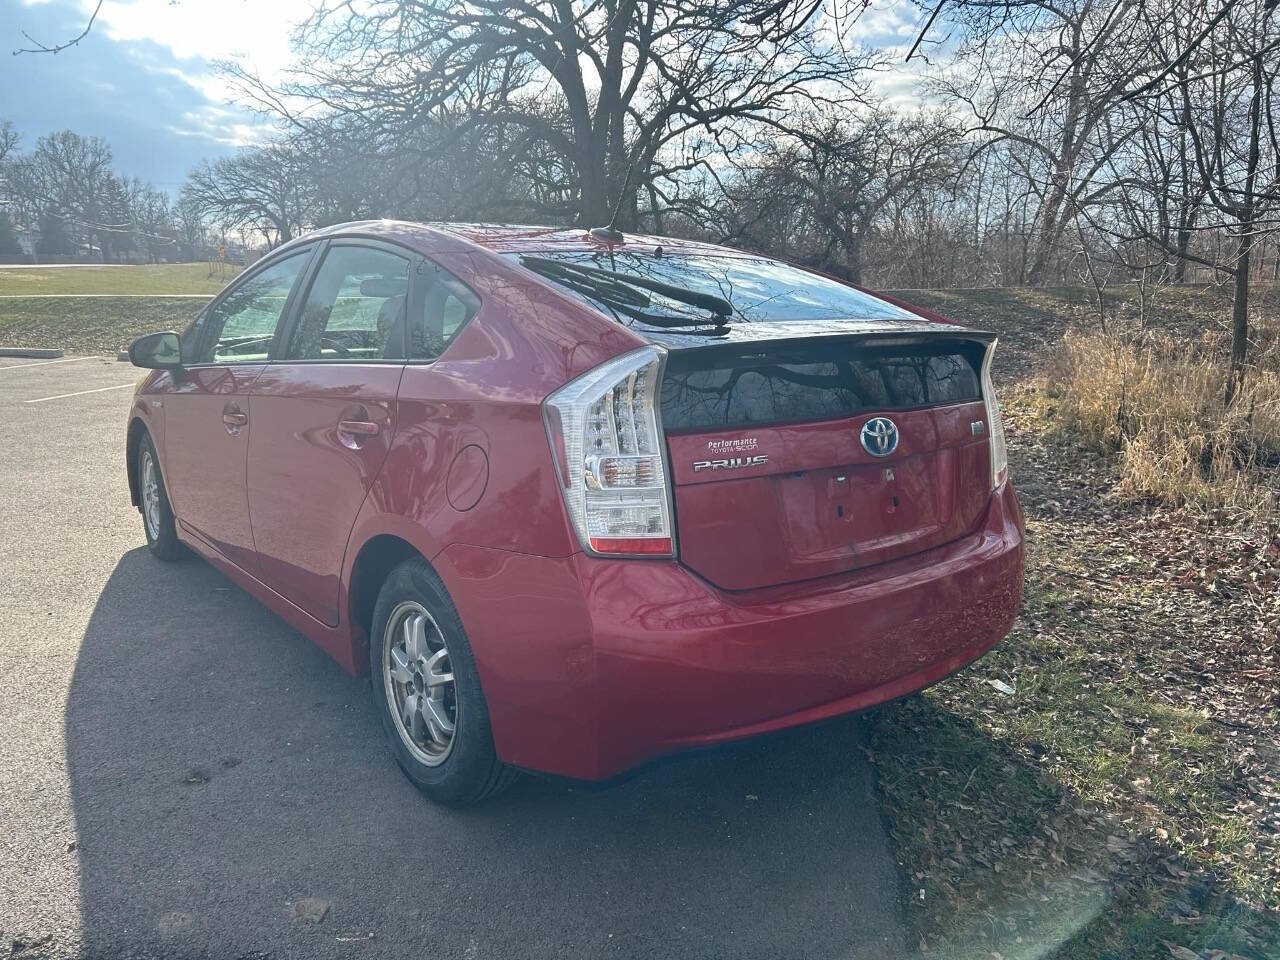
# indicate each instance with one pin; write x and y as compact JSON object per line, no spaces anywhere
{"x":1158,"y":402}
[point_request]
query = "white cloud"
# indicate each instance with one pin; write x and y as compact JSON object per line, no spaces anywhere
{"x":888,"y":27}
{"x":252,"y":32}
{"x":255,"y":33}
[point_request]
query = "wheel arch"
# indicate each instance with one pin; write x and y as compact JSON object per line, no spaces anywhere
{"x":377,"y":557}
{"x":137,"y":430}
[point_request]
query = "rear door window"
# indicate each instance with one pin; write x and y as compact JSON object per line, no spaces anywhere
{"x":447,"y":304}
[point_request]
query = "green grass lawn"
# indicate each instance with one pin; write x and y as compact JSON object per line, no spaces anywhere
{"x":156,"y":279}
{"x":90,"y":325}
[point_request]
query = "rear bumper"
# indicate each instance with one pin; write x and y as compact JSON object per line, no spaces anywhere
{"x":640,"y":658}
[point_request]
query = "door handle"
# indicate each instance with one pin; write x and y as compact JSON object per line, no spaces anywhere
{"x":363,"y":428}
{"x":234,"y":418}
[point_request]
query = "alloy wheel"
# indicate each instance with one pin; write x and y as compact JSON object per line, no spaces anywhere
{"x":150,"y":495}
{"x":418,"y":679}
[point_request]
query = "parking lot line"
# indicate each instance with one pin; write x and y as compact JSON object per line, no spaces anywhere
{"x":41,"y":363}
{"x":79,"y":393}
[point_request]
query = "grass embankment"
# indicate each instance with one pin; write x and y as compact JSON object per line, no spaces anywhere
{"x":1123,"y":800}
{"x":98,"y":309}
{"x":154,"y":279}
{"x":90,"y":325}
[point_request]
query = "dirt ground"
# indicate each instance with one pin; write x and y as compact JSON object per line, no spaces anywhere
{"x":1105,"y":782}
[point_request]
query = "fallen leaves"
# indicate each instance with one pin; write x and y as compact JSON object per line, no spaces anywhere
{"x":1129,"y":767}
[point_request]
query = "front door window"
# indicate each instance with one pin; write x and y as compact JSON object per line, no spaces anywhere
{"x":240,"y":327}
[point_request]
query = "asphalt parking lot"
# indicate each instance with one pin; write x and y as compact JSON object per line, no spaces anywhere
{"x":182,"y":775}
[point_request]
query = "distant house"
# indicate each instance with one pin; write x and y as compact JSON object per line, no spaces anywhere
{"x":27,"y":237}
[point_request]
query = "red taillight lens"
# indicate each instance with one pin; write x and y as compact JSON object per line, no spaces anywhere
{"x":995,"y":423}
{"x":604,"y":433}
{"x":646,"y":546}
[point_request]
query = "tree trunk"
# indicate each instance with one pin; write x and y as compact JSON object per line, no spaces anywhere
{"x":1239,"y":321}
{"x":853,"y":258}
{"x":1248,"y":206}
{"x":592,"y":201}
{"x":655,"y":211}
{"x":1180,"y":268}
{"x":1047,"y":242}
{"x":595,"y":199}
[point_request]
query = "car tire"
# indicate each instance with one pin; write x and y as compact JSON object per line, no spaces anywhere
{"x":153,"y":504}
{"x":438,"y":729}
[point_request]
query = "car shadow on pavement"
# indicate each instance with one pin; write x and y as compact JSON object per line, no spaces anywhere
{"x":234,"y":798}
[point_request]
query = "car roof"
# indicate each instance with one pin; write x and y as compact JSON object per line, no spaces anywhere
{"x":497,"y":239}
{"x":514,"y":238}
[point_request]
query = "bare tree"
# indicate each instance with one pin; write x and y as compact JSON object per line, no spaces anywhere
{"x":1203,"y":85}
{"x":638,"y":80}
{"x":152,"y":221}
{"x":66,"y":178}
{"x":1046,"y":76}
{"x":1164,"y":169}
{"x":9,"y":139}
{"x":191,"y":224}
{"x":1230,"y":114}
{"x":263,"y":189}
{"x":819,"y":194}
{"x":1161,"y":109}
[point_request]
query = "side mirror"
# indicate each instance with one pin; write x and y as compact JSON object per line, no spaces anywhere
{"x":157,"y":351}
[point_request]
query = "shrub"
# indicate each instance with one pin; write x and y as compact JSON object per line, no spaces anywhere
{"x":1158,"y":401}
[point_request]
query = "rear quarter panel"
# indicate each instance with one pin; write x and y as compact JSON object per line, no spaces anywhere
{"x":486,"y":392}
{"x":469,"y":427}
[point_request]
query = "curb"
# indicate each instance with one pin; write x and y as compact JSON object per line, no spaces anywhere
{"x":36,"y":353}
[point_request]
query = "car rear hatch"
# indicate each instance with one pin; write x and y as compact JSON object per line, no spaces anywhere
{"x":811,"y":428}
{"x":795,"y":458}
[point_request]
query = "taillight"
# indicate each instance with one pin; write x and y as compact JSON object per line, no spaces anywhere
{"x":604,"y":434}
{"x":995,"y":424}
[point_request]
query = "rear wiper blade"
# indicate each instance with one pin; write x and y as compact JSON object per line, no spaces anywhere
{"x":583,"y":282}
{"x":623,"y":307}
{"x":620,"y":290}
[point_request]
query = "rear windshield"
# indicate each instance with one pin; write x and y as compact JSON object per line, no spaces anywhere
{"x":758,"y":289}
{"x":717,"y":389}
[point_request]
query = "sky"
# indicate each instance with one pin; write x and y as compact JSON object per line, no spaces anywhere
{"x":145,"y":80}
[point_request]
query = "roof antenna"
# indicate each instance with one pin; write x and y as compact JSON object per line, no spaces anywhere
{"x":610,"y":233}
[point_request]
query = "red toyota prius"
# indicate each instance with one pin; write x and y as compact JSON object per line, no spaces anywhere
{"x":577,"y":499}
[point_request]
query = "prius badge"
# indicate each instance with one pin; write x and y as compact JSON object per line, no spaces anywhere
{"x":730,"y":463}
{"x":879,"y":436}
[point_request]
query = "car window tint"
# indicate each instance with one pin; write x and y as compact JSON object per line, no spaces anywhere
{"x":797,"y":382}
{"x":355,"y":309}
{"x":447,"y":304}
{"x":759,"y":290}
{"x":242,"y":324}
